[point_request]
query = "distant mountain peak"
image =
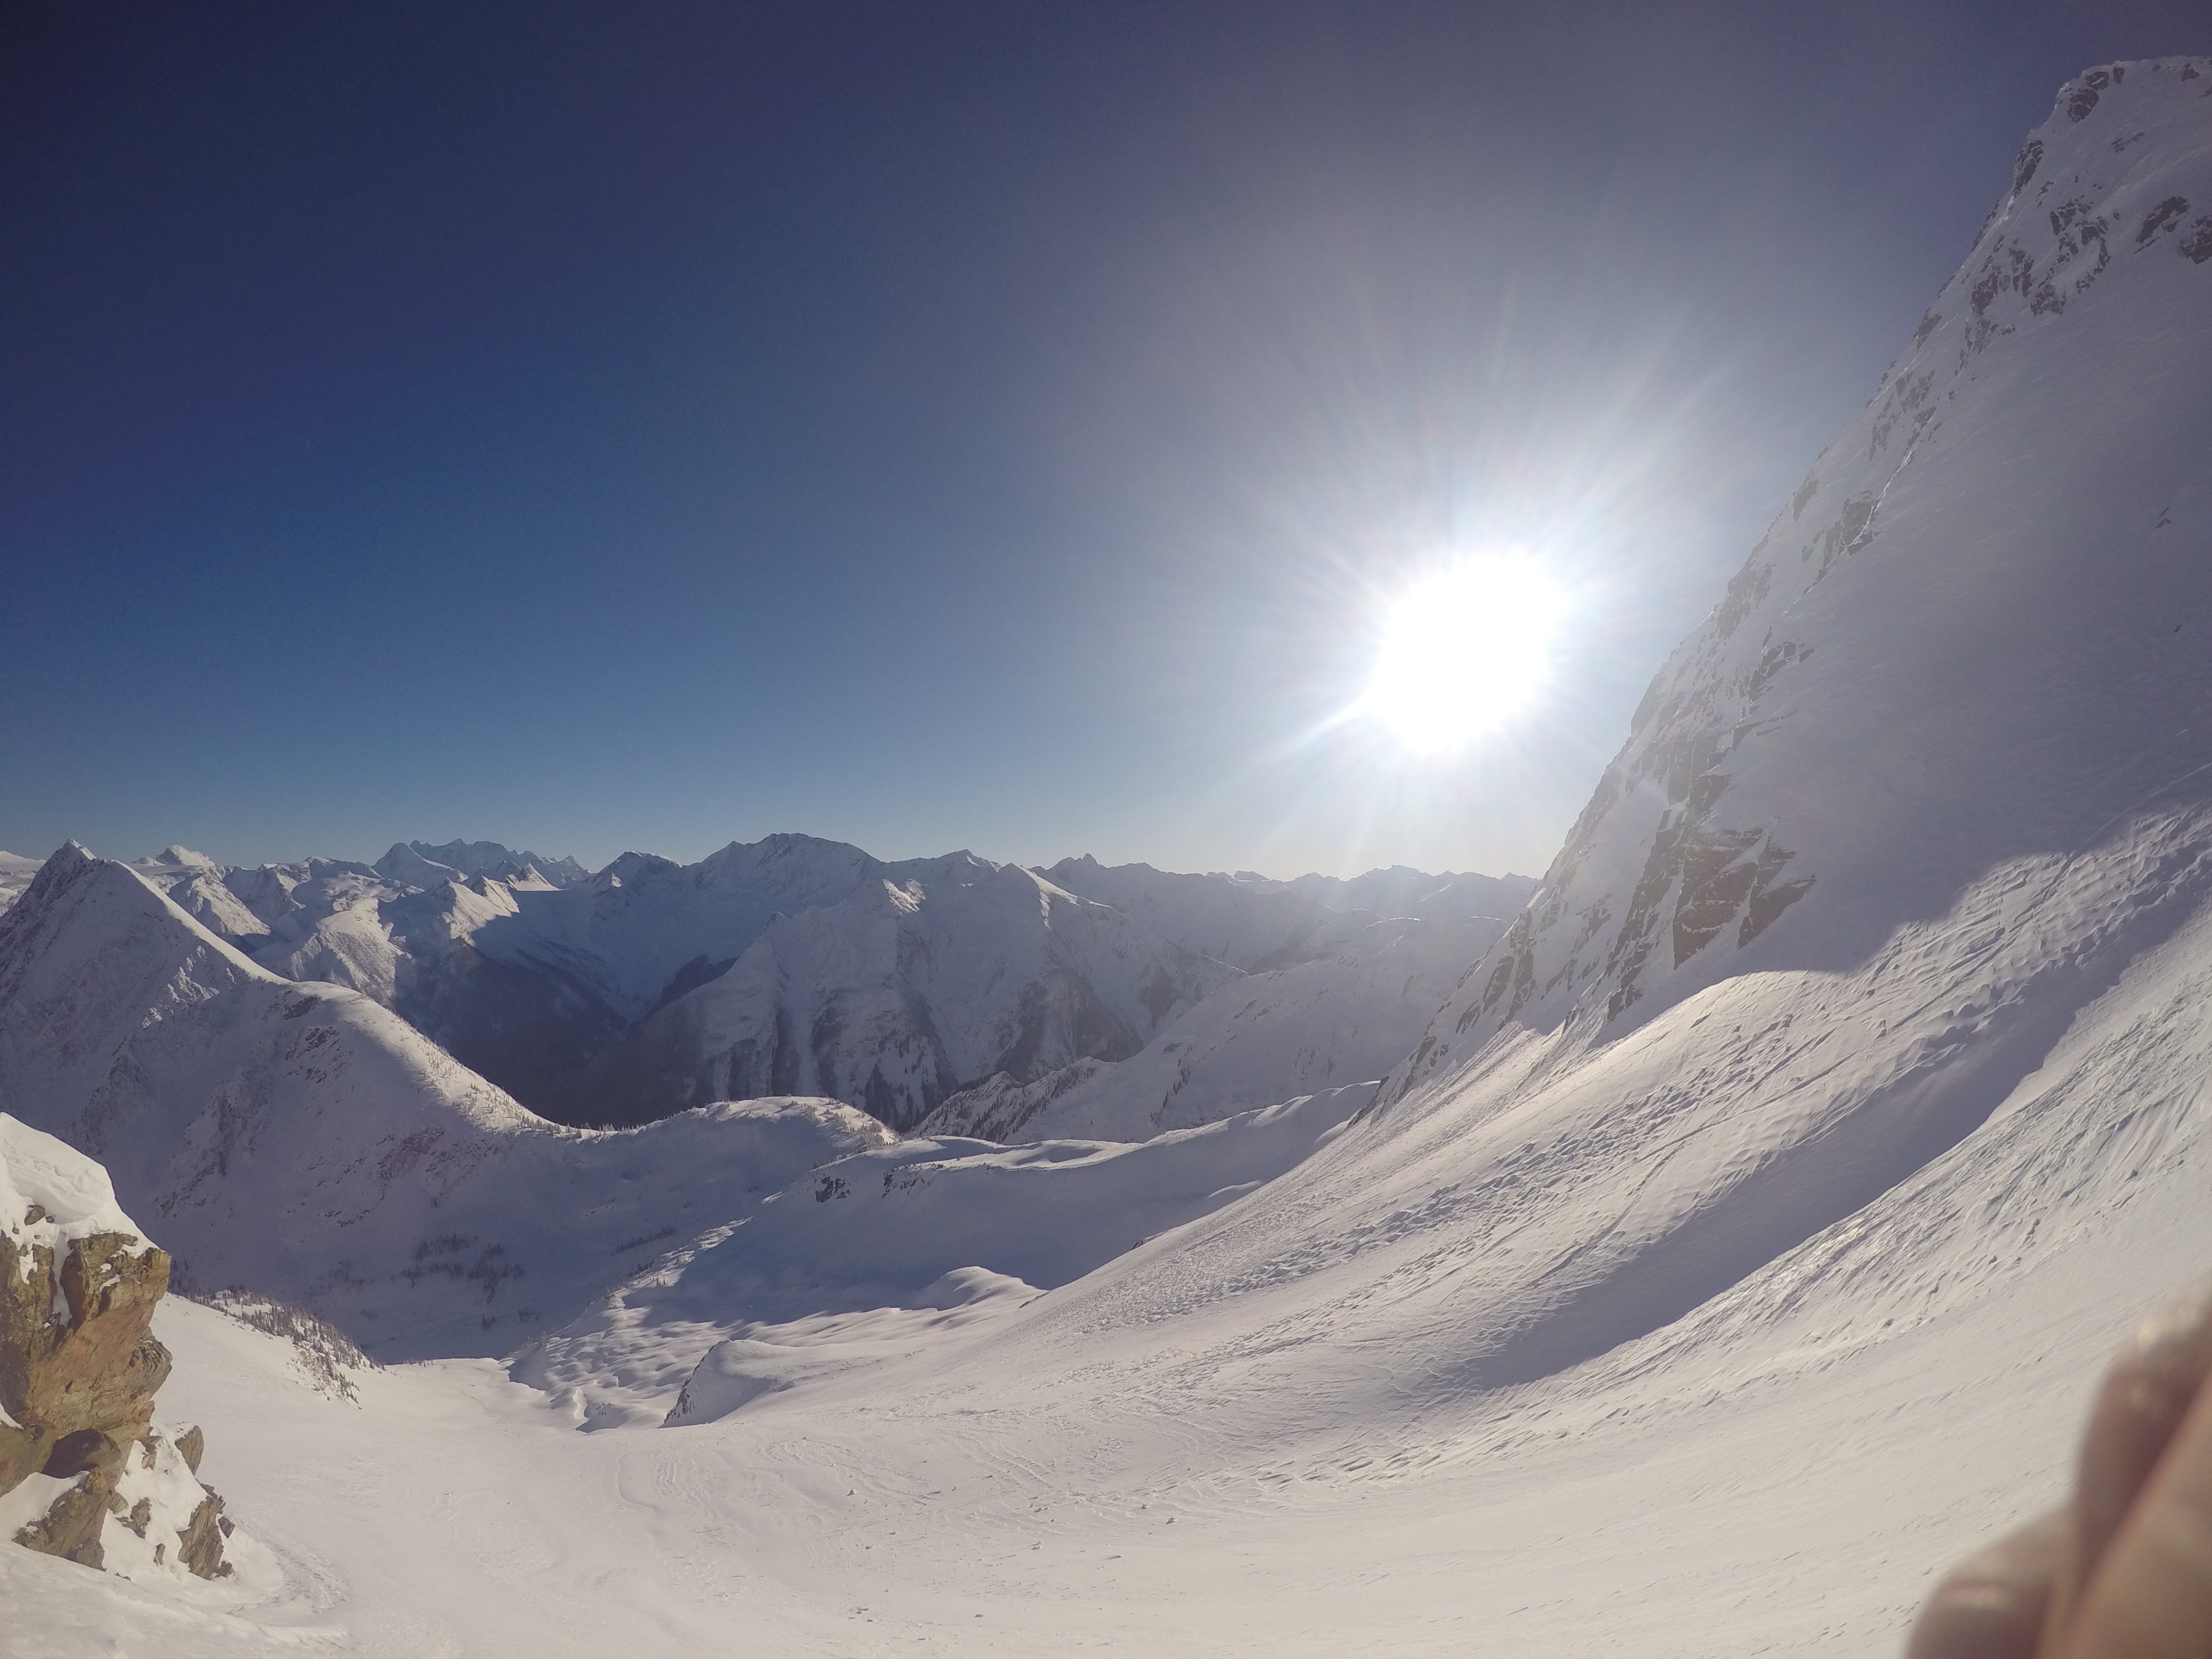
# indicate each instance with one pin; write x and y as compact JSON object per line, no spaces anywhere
{"x":423,"y":864}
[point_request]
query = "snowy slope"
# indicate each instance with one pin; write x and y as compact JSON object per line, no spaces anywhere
{"x":304,"y":1140}
{"x":1150,"y":1460}
{"x":899,"y":1227}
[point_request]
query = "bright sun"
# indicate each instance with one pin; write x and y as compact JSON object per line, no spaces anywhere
{"x":1462,"y":651}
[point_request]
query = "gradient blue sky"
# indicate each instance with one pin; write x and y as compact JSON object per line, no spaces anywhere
{"x":928,"y":425}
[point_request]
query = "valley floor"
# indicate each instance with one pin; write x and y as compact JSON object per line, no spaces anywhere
{"x":1692,"y":1495}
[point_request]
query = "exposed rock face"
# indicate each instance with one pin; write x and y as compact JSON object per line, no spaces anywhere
{"x":79,"y":1368}
{"x":71,"y":1526}
{"x":199,"y":1542}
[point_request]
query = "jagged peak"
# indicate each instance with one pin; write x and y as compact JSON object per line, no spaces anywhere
{"x":627,"y":869}
{"x":183,"y":857}
{"x":73,"y":879}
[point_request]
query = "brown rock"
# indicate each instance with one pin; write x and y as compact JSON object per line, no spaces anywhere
{"x":22,"y":1451}
{"x":199,"y":1545}
{"x":77,"y":1377}
{"x":71,"y":1526}
{"x":97,"y":1367}
{"x":107,"y":1366}
{"x":191,"y":1446}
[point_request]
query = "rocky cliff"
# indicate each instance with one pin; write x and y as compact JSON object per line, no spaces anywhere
{"x":79,"y":1368}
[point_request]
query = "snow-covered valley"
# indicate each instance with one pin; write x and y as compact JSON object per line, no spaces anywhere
{"x":1731,"y":1241}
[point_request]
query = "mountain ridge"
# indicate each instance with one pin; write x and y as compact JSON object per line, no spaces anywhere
{"x":798,"y":965}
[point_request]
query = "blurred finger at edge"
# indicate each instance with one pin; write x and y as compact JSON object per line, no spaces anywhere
{"x":2151,"y":1596}
{"x":2145,"y":1395}
{"x":1991,"y":1605}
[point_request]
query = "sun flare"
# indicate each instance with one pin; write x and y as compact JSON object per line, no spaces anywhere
{"x":1462,"y":651}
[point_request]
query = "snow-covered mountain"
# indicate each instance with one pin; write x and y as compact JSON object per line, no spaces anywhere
{"x":302,"y":1138}
{"x":798,"y":965}
{"x":1256,"y":923}
{"x":935,"y":975}
{"x":1324,"y":1022}
{"x":418,"y":864}
{"x":1331,"y":995}
{"x":1400,"y":891}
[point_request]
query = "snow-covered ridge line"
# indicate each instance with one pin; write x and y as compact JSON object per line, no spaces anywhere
{"x":302,"y":1140}
{"x":793,"y":965}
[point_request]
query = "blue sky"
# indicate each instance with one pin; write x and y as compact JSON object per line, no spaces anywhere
{"x":925,"y":425}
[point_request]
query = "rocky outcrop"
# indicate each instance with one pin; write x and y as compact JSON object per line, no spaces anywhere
{"x":79,"y":1368}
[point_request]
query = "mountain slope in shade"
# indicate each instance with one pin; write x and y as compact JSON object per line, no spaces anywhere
{"x":586,"y":1000}
{"x":1401,"y":891}
{"x":195,"y":885}
{"x":1331,"y":1020}
{"x":304,"y":1140}
{"x":1257,"y":925}
{"x":792,"y":965}
{"x":937,"y":974}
